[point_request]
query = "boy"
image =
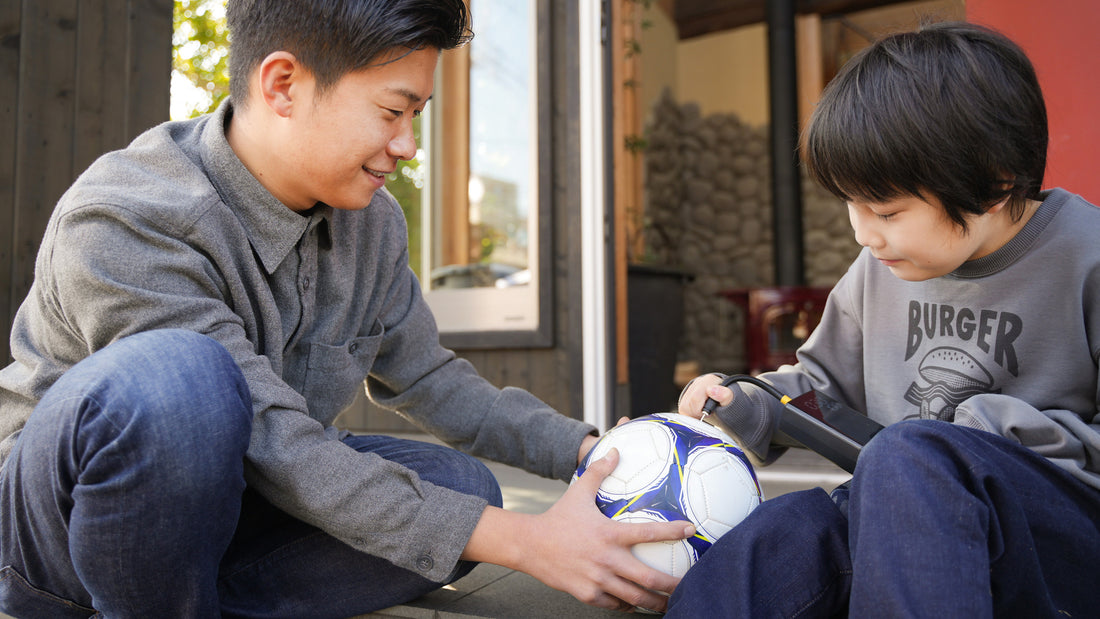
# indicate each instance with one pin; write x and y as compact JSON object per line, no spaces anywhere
{"x":969,"y":326}
{"x":208,"y":300}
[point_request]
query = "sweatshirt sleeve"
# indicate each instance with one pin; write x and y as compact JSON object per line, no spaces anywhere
{"x":831,"y":361}
{"x":1061,"y":436}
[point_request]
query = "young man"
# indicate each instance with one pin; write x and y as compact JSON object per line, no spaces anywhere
{"x":969,"y":326}
{"x":208,"y":300}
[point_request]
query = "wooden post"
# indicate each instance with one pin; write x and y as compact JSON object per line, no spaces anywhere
{"x":628,"y":207}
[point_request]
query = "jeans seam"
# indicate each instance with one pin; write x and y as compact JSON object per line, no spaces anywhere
{"x":831,"y":584}
{"x":9,"y":572}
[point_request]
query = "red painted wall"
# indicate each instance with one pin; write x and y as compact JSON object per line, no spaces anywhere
{"x":1062,"y":38}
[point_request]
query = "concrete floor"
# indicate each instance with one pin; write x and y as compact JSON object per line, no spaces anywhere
{"x":493,"y":591}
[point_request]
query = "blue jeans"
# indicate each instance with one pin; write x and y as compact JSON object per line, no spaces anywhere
{"x":943,"y":521}
{"x":125,"y":496}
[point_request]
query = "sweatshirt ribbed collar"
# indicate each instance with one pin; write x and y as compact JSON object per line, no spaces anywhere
{"x":1018,"y":245}
{"x":272,"y":227}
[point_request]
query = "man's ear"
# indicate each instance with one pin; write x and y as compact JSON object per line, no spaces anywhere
{"x":281,"y":79}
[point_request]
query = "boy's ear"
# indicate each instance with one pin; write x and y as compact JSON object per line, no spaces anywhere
{"x":1005,"y":186}
{"x":997,"y":207}
{"x":280,"y":80}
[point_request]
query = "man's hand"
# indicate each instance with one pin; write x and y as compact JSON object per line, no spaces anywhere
{"x":696,"y":394}
{"x":573,"y":547}
{"x":590,"y":441}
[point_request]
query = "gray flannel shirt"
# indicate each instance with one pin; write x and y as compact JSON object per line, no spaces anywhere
{"x":173,"y":231}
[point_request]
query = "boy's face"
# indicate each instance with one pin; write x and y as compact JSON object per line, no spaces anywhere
{"x":344,"y":143}
{"x":916,"y":240}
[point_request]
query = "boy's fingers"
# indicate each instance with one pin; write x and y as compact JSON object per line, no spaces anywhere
{"x":720,"y":394}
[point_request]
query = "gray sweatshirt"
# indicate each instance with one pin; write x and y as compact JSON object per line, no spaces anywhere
{"x":1007,"y":343}
{"x":173,"y":231}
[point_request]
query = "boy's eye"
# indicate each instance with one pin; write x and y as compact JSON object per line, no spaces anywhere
{"x":885,"y":216}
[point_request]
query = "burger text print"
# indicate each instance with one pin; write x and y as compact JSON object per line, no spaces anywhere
{"x":949,"y":374}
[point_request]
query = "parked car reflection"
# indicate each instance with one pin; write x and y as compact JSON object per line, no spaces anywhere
{"x":479,"y":275}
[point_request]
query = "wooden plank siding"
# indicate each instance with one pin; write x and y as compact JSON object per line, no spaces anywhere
{"x":82,"y":77}
{"x":10,"y":16}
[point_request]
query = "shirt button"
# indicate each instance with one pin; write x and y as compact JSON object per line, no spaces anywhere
{"x":305,"y":283}
{"x":424,"y":563}
{"x":353,"y":348}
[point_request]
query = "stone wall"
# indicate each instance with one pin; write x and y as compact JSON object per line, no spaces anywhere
{"x":708,"y":212}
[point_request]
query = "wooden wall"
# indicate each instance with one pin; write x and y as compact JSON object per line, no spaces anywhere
{"x":80,"y":77}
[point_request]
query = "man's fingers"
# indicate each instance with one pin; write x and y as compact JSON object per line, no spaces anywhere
{"x":631,"y":533}
{"x":597,"y":471}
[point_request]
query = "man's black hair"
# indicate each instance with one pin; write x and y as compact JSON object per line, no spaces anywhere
{"x":952,"y":111}
{"x":332,"y":38}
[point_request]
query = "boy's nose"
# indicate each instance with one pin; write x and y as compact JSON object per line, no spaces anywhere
{"x":863,"y":229}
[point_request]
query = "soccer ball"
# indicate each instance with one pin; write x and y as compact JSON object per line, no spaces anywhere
{"x":674,"y":467}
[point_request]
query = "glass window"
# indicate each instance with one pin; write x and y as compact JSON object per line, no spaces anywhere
{"x":482,"y":268}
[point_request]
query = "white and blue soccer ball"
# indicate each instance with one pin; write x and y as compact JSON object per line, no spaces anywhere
{"x":674,"y":467}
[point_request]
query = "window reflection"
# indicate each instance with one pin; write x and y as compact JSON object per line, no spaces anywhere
{"x":482,"y":243}
{"x":495,"y":247}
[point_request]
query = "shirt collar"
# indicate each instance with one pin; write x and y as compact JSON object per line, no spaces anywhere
{"x":272,"y":228}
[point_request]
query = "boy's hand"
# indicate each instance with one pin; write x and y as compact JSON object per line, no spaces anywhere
{"x":696,"y":394}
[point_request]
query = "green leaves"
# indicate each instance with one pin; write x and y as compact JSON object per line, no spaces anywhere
{"x":200,"y":57}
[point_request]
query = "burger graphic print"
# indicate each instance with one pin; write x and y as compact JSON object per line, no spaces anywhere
{"x":948,"y":376}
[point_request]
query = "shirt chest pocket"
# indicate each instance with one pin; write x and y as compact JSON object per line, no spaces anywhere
{"x":335,"y":372}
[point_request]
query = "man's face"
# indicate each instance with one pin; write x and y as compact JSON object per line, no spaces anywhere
{"x":916,"y":240}
{"x":344,"y":143}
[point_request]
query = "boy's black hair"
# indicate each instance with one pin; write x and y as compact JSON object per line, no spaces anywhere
{"x":332,"y":38}
{"x":953,"y":110}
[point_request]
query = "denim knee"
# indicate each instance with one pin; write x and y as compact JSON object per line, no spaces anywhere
{"x":175,"y":396}
{"x":478,"y":480}
{"x":900,"y":444}
{"x":147,"y":434}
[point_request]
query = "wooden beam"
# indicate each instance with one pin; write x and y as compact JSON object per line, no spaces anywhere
{"x":810,"y":64}
{"x":698,"y":17}
{"x":453,"y":108}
